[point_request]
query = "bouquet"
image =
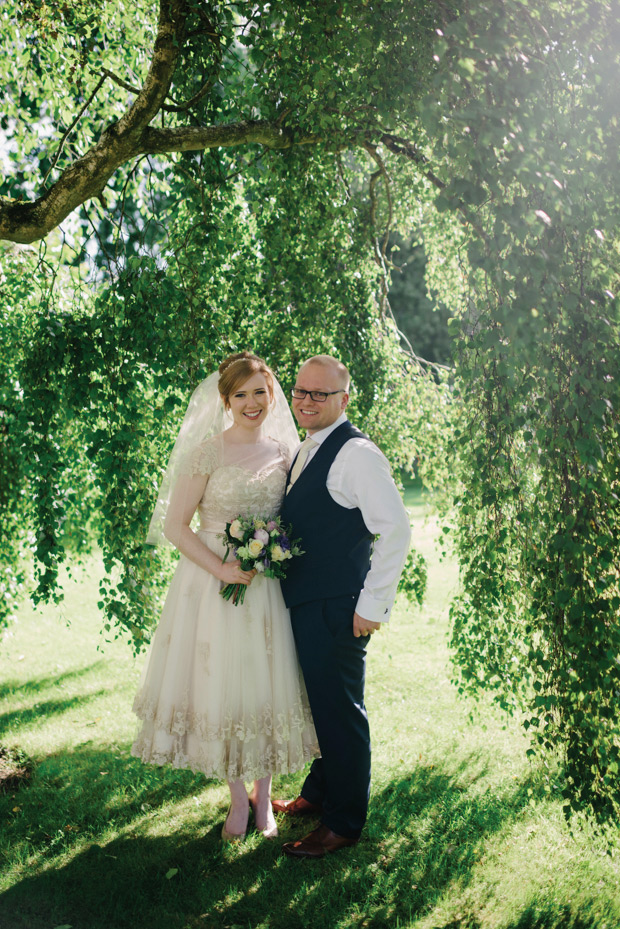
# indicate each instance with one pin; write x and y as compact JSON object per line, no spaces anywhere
{"x":261,"y":544}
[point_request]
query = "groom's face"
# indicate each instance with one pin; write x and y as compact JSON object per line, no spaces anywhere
{"x":313,"y":415}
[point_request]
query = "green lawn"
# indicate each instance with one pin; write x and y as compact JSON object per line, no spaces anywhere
{"x":460,"y":835}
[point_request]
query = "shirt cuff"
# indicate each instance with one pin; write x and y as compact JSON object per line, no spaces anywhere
{"x":377,"y":611}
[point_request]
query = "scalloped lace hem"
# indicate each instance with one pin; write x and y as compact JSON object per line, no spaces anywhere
{"x":264,"y":743}
{"x":180,"y":721}
{"x":269,"y":761}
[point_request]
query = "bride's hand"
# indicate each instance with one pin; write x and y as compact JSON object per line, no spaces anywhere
{"x":231,"y":572}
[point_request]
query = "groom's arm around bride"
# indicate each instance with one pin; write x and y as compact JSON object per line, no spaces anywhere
{"x":340,"y":496}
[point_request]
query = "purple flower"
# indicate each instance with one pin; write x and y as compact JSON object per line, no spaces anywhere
{"x":284,"y":543}
{"x":262,"y":536}
{"x":271,"y":525}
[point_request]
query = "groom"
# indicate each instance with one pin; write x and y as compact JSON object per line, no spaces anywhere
{"x":340,"y":495}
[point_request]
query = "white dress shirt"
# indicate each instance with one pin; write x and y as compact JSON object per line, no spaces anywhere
{"x":360,"y":477}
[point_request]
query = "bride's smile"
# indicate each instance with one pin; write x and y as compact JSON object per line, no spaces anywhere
{"x":249,"y":404}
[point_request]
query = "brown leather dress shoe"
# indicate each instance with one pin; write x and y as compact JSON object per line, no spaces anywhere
{"x":297,"y":807}
{"x":322,"y":841}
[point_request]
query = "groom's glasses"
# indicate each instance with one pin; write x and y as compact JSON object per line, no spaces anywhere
{"x":319,"y":396}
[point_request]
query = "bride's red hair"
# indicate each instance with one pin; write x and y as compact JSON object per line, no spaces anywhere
{"x":235,"y":370}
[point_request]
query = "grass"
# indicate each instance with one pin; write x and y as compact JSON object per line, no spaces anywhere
{"x":460,"y":833}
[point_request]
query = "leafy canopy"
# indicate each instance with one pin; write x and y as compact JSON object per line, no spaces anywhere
{"x":227,"y":175}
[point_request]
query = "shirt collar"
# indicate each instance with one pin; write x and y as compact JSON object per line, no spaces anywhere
{"x":322,"y":434}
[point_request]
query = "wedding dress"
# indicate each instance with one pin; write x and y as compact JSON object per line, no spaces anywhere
{"x":221,"y":691}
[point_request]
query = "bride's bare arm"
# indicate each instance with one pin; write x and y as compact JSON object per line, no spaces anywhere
{"x":185,"y":498}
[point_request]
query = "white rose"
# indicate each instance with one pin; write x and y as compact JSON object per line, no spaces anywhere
{"x":278,"y":553}
{"x":255,"y":547}
{"x":236,"y":529}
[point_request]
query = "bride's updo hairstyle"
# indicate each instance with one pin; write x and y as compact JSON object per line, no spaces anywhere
{"x":235,"y":370}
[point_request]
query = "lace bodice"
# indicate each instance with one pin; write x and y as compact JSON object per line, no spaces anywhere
{"x":242,"y":479}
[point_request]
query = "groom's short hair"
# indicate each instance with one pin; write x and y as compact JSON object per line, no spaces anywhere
{"x":328,"y":361}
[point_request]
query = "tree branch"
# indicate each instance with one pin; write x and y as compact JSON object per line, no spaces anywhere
{"x":168,"y":44}
{"x":133,"y":135}
{"x":119,"y":80}
{"x":195,"y":138}
{"x":404,"y":147}
{"x":380,"y":247}
{"x":26,"y":222}
{"x":71,"y":127}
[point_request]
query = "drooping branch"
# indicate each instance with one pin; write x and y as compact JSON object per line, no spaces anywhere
{"x":380,"y":252}
{"x":381,"y":172}
{"x":70,"y":129}
{"x":380,"y":247}
{"x":409,"y":150}
{"x":404,"y":147}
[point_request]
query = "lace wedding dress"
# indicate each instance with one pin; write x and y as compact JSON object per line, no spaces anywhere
{"x":221,"y":691}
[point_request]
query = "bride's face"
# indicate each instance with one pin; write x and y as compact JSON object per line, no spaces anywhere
{"x":249,"y":404}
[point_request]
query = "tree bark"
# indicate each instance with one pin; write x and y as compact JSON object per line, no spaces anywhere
{"x":87,"y":177}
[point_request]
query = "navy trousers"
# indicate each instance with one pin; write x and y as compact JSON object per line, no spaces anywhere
{"x":333,"y":662}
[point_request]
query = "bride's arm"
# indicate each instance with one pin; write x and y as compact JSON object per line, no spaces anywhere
{"x":185,"y":498}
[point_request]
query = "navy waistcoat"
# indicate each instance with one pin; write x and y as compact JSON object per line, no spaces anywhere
{"x":335,"y":540}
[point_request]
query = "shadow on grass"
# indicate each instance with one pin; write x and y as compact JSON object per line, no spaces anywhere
{"x":425,"y":831}
{"x":38,"y":684}
{"x":45,"y":710}
{"x":560,"y":916}
{"x":85,"y":792}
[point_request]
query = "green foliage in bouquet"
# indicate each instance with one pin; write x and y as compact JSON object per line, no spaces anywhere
{"x":261,"y":544}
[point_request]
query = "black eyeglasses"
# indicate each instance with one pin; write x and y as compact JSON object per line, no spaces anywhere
{"x":319,"y":396}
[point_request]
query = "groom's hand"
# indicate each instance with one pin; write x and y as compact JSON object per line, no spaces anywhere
{"x":363,"y":626}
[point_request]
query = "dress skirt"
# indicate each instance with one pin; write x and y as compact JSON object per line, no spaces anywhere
{"x":221,"y":691}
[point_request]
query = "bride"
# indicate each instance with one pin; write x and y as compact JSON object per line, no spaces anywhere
{"x":221,"y":691}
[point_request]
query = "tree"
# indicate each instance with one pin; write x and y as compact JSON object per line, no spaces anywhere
{"x":529,"y":124}
{"x":262,"y":162}
{"x":212,"y":250}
